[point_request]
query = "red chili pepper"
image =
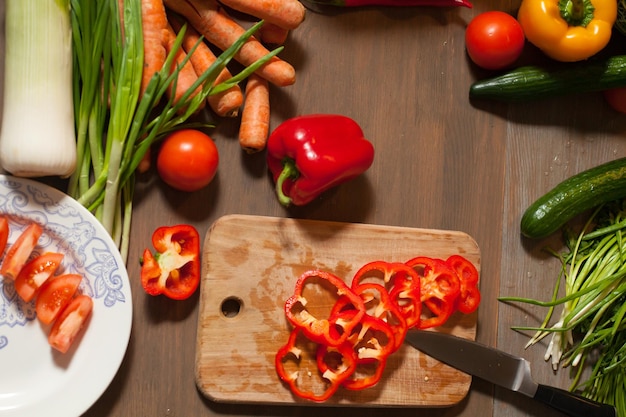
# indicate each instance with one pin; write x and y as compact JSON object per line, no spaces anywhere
{"x":440,"y":287}
{"x":394,"y":3}
{"x":469,"y":299}
{"x":313,"y":371}
{"x":333,"y":329}
{"x":308,"y":155}
{"x":174,"y":270}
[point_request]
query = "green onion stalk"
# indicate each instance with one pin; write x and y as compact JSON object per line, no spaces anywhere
{"x":589,"y":332}
{"x":115,"y":124}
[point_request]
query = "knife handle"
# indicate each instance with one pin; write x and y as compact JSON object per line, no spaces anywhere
{"x":572,"y":404}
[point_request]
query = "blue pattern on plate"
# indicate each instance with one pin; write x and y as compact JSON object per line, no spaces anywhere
{"x":67,"y":229}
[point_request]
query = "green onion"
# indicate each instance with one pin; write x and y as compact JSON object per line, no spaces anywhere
{"x":115,"y":126}
{"x":593,"y":308}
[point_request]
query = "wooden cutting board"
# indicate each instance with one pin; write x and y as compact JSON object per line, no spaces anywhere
{"x":249,"y":267}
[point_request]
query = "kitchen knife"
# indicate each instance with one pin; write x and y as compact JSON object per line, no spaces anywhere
{"x":502,"y":369}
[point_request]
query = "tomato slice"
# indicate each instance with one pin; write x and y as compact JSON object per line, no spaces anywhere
{"x":35,"y":273}
{"x":4,"y":234}
{"x":19,"y":251}
{"x":70,"y":323}
{"x":54,"y":295}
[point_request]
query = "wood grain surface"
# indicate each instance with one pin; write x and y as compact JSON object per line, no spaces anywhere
{"x":254,"y":262}
{"x":442,"y":162}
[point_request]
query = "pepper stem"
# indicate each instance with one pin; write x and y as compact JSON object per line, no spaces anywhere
{"x":576,"y":12}
{"x":289,"y":172}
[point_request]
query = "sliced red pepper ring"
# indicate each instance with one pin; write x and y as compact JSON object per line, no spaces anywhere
{"x":372,"y":339}
{"x":322,"y":326}
{"x":313,"y":371}
{"x":372,"y":342}
{"x":469,"y":297}
{"x":368,"y":373}
{"x":378,"y":303}
{"x":440,"y":287}
{"x":406,"y":294}
{"x":174,"y":270}
{"x":401,"y":282}
{"x":382,"y":273}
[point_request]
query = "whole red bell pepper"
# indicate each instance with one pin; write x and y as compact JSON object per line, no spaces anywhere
{"x":310,"y":154}
{"x":174,"y":269}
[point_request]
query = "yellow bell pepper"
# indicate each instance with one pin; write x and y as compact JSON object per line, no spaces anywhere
{"x":568,"y":30}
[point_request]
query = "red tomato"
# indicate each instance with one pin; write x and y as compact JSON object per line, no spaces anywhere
{"x":54,"y":295}
{"x":187,"y":160}
{"x":494,"y":40}
{"x":19,"y":252}
{"x":4,"y":233}
{"x":35,"y":273}
{"x":70,"y":323}
{"x":616,"y":97}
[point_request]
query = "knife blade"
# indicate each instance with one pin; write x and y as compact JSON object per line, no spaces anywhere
{"x":503,"y":369}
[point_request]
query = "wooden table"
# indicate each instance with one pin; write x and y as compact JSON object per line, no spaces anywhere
{"x":441,"y":162}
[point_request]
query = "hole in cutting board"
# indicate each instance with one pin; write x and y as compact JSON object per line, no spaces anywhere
{"x":231,"y":307}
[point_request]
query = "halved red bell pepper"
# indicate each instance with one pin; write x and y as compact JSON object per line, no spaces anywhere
{"x":174,"y":270}
{"x":310,"y":154}
{"x":440,"y":287}
{"x":313,"y":371}
{"x":333,"y":329}
{"x":469,"y":297}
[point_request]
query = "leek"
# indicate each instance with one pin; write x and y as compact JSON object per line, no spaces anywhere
{"x":37,"y":137}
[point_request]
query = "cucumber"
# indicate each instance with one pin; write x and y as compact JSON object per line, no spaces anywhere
{"x":575,"y":195}
{"x":535,"y":82}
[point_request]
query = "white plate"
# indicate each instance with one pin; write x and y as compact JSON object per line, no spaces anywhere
{"x":35,"y":380}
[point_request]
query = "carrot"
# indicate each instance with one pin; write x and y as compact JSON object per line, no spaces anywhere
{"x":219,"y":29}
{"x":155,"y":38}
{"x":255,"y":118}
{"x":225,"y":104}
{"x":287,"y":14}
{"x":273,"y":35}
{"x":186,"y":75}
